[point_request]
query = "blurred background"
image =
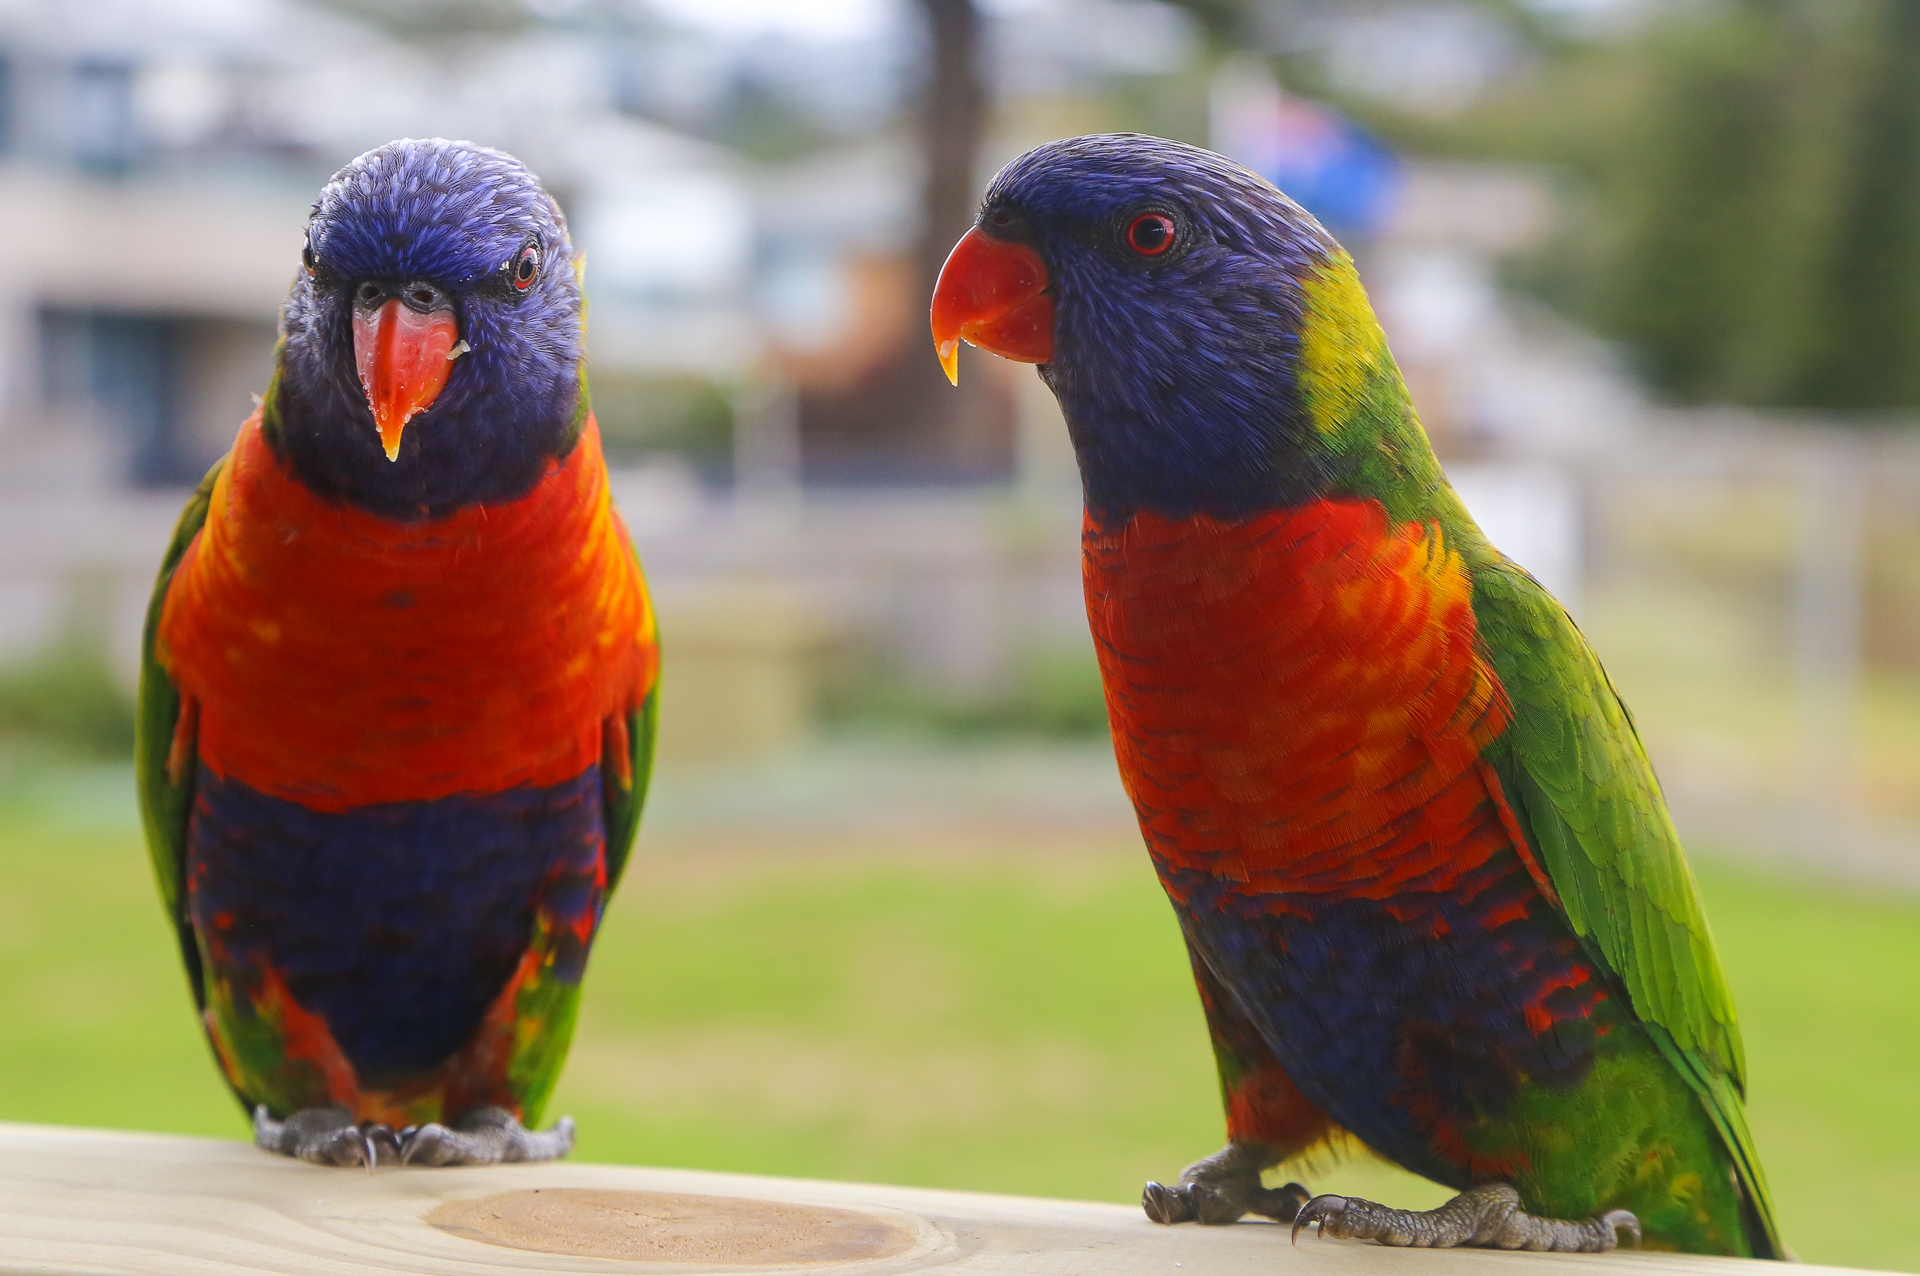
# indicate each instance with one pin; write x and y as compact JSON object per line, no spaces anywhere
{"x":1652,"y":268}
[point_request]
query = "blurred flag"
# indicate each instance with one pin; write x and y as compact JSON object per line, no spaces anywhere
{"x":1331,"y":166}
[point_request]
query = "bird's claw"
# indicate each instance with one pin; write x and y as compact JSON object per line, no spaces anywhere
{"x":1206,"y":1203}
{"x":1318,"y":1210}
{"x":485,"y":1136}
{"x":1165,"y":1204}
{"x":1223,"y":1188}
{"x":1618,"y":1221}
{"x":325,"y":1136}
{"x":380,"y":1139}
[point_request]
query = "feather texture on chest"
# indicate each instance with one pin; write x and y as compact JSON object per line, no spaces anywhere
{"x":340,"y":659}
{"x":1298,"y":698}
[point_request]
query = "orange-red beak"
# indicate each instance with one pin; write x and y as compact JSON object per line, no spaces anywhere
{"x":403,"y":357}
{"x":992,"y":294}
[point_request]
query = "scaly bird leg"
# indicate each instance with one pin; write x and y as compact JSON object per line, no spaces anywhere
{"x":1488,"y":1216}
{"x":1223,"y":1187}
{"x":325,"y":1136}
{"x":484,"y":1136}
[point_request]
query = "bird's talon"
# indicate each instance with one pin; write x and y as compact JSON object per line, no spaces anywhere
{"x":375,"y":1136}
{"x":1318,"y":1210}
{"x":422,"y":1140}
{"x":1618,"y":1221}
{"x":485,"y":1136}
{"x":1166,"y":1205}
{"x":1222,"y":1189}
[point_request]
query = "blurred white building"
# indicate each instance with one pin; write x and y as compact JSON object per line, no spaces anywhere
{"x":159,"y":157}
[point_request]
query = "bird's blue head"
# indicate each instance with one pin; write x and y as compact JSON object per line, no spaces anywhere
{"x":1165,"y":293}
{"x":433,"y":336}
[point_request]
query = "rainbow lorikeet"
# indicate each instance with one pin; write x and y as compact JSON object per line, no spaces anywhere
{"x":397,"y":701}
{"x":1428,"y":883}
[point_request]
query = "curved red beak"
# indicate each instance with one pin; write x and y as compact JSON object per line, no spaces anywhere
{"x":403,"y":357}
{"x":992,"y":294}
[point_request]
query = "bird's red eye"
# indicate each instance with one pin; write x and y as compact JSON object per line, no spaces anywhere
{"x":526,"y":268}
{"x":1150,"y":234}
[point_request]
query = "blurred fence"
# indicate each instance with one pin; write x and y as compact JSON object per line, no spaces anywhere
{"x":1754,"y":587}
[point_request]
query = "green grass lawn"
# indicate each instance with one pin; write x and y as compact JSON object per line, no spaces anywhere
{"x":1003,"y":1013}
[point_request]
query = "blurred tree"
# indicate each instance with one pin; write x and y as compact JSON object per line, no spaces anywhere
{"x":899,"y":419}
{"x":952,"y":119}
{"x":1228,"y":24}
{"x":1752,"y":228}
{"x":434,"y":21}
{"x":1762,"y":243}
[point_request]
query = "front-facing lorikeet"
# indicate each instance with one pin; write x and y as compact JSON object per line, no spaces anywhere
{"x":397,"y":699}
{"x":1426,"y":878}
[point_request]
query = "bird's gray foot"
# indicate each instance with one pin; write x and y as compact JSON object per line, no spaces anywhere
{"x":484,"y":1136}
{"x":1223,"y":1187}
{"x":325,"y":1136}
{"x":1488,"y":1216}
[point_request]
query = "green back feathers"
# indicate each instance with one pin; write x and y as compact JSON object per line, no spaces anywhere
{"x":1581,"y":786}
{"x":270,"y":401}
{"x":624,"y":788}
{"x":166,"y":791}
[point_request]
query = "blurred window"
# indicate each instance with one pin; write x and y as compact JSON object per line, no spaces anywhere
{"x":120,"y":370}
{"x":101,"y":121}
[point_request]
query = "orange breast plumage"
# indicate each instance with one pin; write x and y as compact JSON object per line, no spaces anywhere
{"x":337,"y":659}
{"x":1298,"y":699}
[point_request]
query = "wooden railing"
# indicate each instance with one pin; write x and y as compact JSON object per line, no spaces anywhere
{"x":95,"y":1201}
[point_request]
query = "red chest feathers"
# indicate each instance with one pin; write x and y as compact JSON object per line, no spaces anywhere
{"x":338,"y":659}
{"x":1297,"y":698}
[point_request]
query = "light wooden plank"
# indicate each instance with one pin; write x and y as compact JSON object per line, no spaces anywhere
{"x":99,"y":1202}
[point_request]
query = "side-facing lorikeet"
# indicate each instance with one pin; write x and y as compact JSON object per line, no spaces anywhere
{"x":1430,"y":890}
{"x":397,"y":701}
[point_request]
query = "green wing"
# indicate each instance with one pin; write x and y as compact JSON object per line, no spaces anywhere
{"x":622,"y":802}
{"x":1581,"y":786}
{"x":623,"y":799}
{"x":166,"y":796}
{"x":554,"y":1004}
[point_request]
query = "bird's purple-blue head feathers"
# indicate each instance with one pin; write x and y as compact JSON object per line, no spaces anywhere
{"x":433,"y":335}
{"x":1161,"y":289}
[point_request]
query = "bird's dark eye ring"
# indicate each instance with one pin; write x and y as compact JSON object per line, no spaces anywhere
{"x":309,"y":260}
{"x":1150,"y":234}
{"x":524,"y":268}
